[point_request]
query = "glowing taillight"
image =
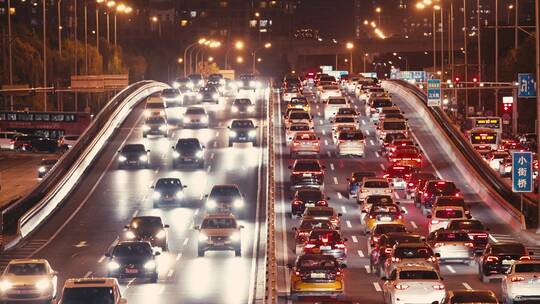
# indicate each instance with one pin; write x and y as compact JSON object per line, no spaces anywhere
{"x":525,"y":258}
{"x":309,"y":246}
{"x":297,"y":202}
{"x":395,"y":260}
{"x":387,"y":250}
{"x":438,"y":287}
{"x":340,"y":246}
{"x":492,"y":259}
{"x":296,"y":143}
{"x":517,"y":279}
{"x":470,"y":245}
{"x":324,"y":203}
{"x":411,"y":184}
{"x":401,"y":286}
{"x":434,"y":222}
{"x":400,"y":217}
{"x":431,"y":259}
{"x":426,"y":195}
{"x":297,"y":273}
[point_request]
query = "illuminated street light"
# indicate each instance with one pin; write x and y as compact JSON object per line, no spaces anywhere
{"x":267,"y":45}
{"x":378,"y":10}
{"x":350,"y":45}
{"x":259,"y":59}
{"x":210,"y":59}
{"x":420,"y":6}
{"x":366,"y":22}
{"x":154,"y":19}
{"x":257,"y":14}
{"x":202,"y":40}
{"x":121,"y":8}
{"x":379,"y":33}
{"x":239,"y":45}
{"x":239,"y":59}
{"x":111,"y":4}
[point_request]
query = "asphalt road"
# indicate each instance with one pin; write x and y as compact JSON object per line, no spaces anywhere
{"x":360,"y":284}
{"x":92,"y":220}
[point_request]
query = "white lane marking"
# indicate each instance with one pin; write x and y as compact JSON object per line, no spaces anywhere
{"x":367,"y":268}
{"x":215,"y":144}
{"x":367,"y":132}
{"x":209,"y":168}
{"x":377,"y":154}
{"x":396,"y":195}
{"x":170,"y":273}
{"x":135,"y":213}
{"x":321,"y":122}
{"x":371,"y":142}
{"x":467,"y":286}
{"x":382,"y":166}
{"x":332,"y":167}
{"x":360,"y":253}
{"x":212,"y":155}
{"x":329,"y":154}
{"x":335,"y":180}
{"x":493,"y":239}
{"x":343,"y":209}
{"x":413,"y":224}
{"x":363,"y":122}
{"x":101,"y":259}
{"x":86,"y":275}
{"x":354,"y":239}
{"x":196,"y":211}
{"x":377,"y":286}
{"x":450,"y":268}
{"x":186,"y":240}
{"x":339,"y":196}
{"x":217,"y":134}
{"x":349,"y":225}
{"x":323,"y":132}
{"x":426,"y":154}
{"x":326,"y":142}
{"x":161,"y":289}
{"x":178,"y":256}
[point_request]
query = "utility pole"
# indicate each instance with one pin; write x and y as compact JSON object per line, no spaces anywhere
{"x":497,"y":57}
{"x":59,"y":21}
{"x":76,"y":38}
{"x":442,"y":42}
{"x":516,"y":39}
{"x":465,"y":35}
{"x":479,"y":49}
{"x":85,"y":37}
{"x":537,"y":8}
{"x":97,"y":27}
{"x":434,"y":46}
{"x":9,"y":53}
{"x":44,"y":15}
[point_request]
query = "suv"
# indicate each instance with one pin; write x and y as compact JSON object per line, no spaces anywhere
{"x":148,"y":228}
{"x":168,"y":189}
{"x":92,"y":290}
{"x":499,"y":257}
{"x":305,"y":143}
{"x":225,"y":198}
{"x":431,"y":190}
{"x":29,"y":279}
{"x":134,"y":155}
{"x":209,"y":94}
{"x":155,"y":125}
{"x":383,"y":248}
{"x":477,"y":232}
{"x":133,"y":259}
{"x":372,"y":186}
{"x":307,"y":173}
{"x":219,"y":231}
{"x":410,"y":253}
{"x":172,"y":97}
{"x":242,"y":130}
{"x":188,"y":151}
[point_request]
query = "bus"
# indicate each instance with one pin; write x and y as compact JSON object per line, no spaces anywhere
{"x":493,"y":123}
{"x":484,"y":139}
{"x":46,"y":124}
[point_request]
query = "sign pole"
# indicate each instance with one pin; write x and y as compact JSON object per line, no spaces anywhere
{"x":537,"y":9}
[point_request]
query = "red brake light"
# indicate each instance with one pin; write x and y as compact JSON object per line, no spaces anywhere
{"x":470,"y":245}
{"x":297,"y":273}
{"x":387,"y":250}
{"x":411,"y":184}
{"x":400,"y":217}
{"x":434,"y":222}
{"x":525,"y":258}
{"x":457,"y":194}
{"x":394,"y":259}
{"x":340,"y":246}
{"x":431,"y":259}
{"x":322,"y":203}
{"x":308,"y":246}
{"x":517,"y":279}
{"x":492,"y":259}
{"x":297,"y":202}
{"x":425,"y":195}
{"x":295,"y":143}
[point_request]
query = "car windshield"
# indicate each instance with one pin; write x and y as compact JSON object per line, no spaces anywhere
{"x":305,"y":166}
{"x":155,"y":105}
{"x":346,"y":111}
{"x":300,"y":115}
{"x":418,"y":275}
{"x":379,"y":199}
{"x":381,"y":103}
{"x":188,"y":143}
{"x":195,"y":111}
{"x":299,"y":128}
{"x":413,"y":253}
{"x":330,"y":88}
{"x":24,"y":269}
{"x":384,"y":209}
{"x":243,"y":101}
{"x":351,"y":136}
{"x":133,"y":149}
{"x":242,"y":124}
{"x":393,"y":240}
{"x":441,"y":187}
{"x":528,"y":267}
{"x":453,"y":237}
{"x":71,"y":137}
{"x":376,"y":184}
{"x":146,"y":222}
{"x":316,"y":263}
{"x":133,"y":249}
{"x":168,"y":182}
{"x":466,"y":225}
{"x":508,"y":249}
{"x":345,"y":119}
{"x":218,"y":223}
{"x":225,"y":191}
{"x":88,"y":295}
{"x":386,"y":228}
{"x":310,"y":195}
{"x":49,"y":162}
{"x":376,"y":90}
{"x":337,"y":101}
{"x":474,"y":298}
{"x":316,"y":224}
{"x":391,"y":111}
{"x":319,"y":212}
{"x":391,"y":137}
{"x":325,"y":235}
{"x":305,"y":136}
{"x":449,"y":213}
{"x":298,"y":101}
{"x":169,"y":93}
{"x":155,"y":120}
{"x":393,"y":115}
{"x":394,"y":125}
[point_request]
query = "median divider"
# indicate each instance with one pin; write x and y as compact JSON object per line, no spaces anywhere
{"x":271,"y":262}
{"x":26,"y":215}
{"x":479,"y":176}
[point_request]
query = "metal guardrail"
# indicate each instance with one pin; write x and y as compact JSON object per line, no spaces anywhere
{"x":271,"y":262}
{"x":474,"y":159}
{"x":27,"y":214}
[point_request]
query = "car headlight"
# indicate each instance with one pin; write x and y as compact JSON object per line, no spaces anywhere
{"x":201,"y":82}
{"x":211,"y":204}
{"x":252,"y":83}
{"x":252,"y":133}
{"x":130,"y":235}
{"x":122,"y":158}
{"x":163,"y":128}
{"x":204,"y":119}
{"x":235,"y":237}
{"x":145,"y":128}
{"x":215,"y":96}
{"x":5,"y":286}
{"x":146,"y":113}
{"x":175,"y":154}
{"x":251,"y":109}
{"x":42,"y":169}
{"x":150,"y":265}
{"x":162,"y":112}
{"x":180,"y":194}
{"x":176,"y":85}
{"x":113,"y":266}
{"x":234,"y":109}
{"x":203,"y":237}
{"x":199,"y":96}
{"x":43,"y":284}
{"x":161,"y":234}
{"x":199,"y":154}
{"x":156,"y":195}
{"x":143,"y":158}
{"x":232,"y":134}
{"x":190,"y":85}
{"x":238,"y":203}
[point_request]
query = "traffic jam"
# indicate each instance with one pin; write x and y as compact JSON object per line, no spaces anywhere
{"x":363,"y":203}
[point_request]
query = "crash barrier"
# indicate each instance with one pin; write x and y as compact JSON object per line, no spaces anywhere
{"x":23,"y":217}
{"x":489,"y":186}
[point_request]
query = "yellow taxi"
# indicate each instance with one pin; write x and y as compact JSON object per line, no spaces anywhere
{"x":316,"y":275}
{"x":382,"y":214}
{"x":299,"y":103}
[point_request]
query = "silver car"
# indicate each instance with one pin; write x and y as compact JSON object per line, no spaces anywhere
{"x":196,"y":117}
{"x":452,"y":246}
{"x":522,"y":282}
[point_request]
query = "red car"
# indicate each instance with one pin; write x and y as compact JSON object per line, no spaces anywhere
{"x":307,"y":197}
{"x":400,"y":142}
{"x":381,"y":229}
{"x":327,"y":241}
{"x":384,"y":247}
{"x":399,"y":175}
{"x":407,"y":156}
{"x":301,"y":233}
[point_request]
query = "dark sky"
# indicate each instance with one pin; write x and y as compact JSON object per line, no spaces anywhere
{"x":333,"y":18}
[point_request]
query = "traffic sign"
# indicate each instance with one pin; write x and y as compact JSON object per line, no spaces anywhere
{"x":434,"y":93}
{"x":527,"y":85}
{"x":522,"y":172}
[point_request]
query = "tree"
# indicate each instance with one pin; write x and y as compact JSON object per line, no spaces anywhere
{"x":207,"y":68}
{"x":519,"y":61}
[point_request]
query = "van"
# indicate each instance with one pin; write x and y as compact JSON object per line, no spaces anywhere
{"x":7,"y":139}
{"x":154,"y":107}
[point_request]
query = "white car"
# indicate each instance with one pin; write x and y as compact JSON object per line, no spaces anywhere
{"x":28,"y":279}
{"x":495,"y":158}
{"x":328,"y":91}
{"x":154,"y":107}
{"x":299,"y":116}
{"x":291,"y":131}
{"x":7,"y":139}
{"x":413,"y":284}
{"x":374,"y":186}
{"x":344,"y":121}
{"x":521,"y":282}
{"x":196,"y":117}
{"x":333,"y":104}
{"x":92,"y":290}
{"x":290,"y":94}
{"x":441,"y":216}
{"x":351,"y":143}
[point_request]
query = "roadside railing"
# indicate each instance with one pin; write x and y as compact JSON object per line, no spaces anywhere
{"x":271,"y":262}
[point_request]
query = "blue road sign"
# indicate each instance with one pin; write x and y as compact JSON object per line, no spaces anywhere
{"x":527,"y":85}
{"x":522,"y":172}
{"x":434,"y":92}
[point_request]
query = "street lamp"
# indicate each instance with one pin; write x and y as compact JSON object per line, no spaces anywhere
{"x":350,"y":47}
{"x":267,"y":45}
{"x":239,"y":59}
{"x":238,"y":45}
{"x":184,"y":59}
{"x":378,"y":10}
{"x":123,"y":9}
{"x":110,"y":5}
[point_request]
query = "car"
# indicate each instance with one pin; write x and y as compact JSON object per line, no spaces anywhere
{"x":452,"y":246}
{"x":452,"y":200}
{"x":478,"y":234}
{"x":413,"y":284}
{"x":7,"y":139}
{"x":24,"y":142}
{"x":294,"y":128}
{"x":316,"y":275}
{"x":377,"y":199}
{"x":344,"y":121}
{"x":298,"y":116}
{"x":425,"y":198}
{"x":134,"y":155}
{"x":351,"y":143}
{"x":381,"y":229}
{"x":398,"y":175}
{"x":497,"y":259}
{"x":323,"y":212}
{"x":307,"y":197}
{"x":470,"y":296}
{"x":398,"y":142}
{"x":327,"y":241}
{"x":92,"y":290}
{"x":382,"y":249}
{"x":406,"y":156}
{"x":168,"y":190}
{"x":291,"y":92}
{"x":225,"y":198}
{"x":390,"y":112}
{"x":29,"y":280}
{"x":196,"y":117}
{"x":389,"y":138}
{"x":392,"y":125}
{"x":149,"y":229}
{"x":305,"y":143}
{"x":242,"y":131}
{"x":494,"y":158}
{"x":505,"y":167}
{"x":410,"y":253}
{"x":155,"y":125}
{"x":372,"y":186}
{"x":248,"y":82}
{"x":196,"y":81}
{"x":355,"y":181}
{"x":45,"y":165}
{"x":328,"y":91}
{"x":242,"y":106}
{"x":133,"y":259}
{"x":302,"y":232}
{"x":381,"y":214}
{"x":209,"y":94}
{"x":442,"y":215}
{"x":68,"y":141}
{"x":375,"y":106}
{"x":299,"y":103}
{"x":521,"y":282}
{"x":219,"y":232}
{"x":172,"y":97}
{"x":188,"y":151}
{"x":415,"y":180}
{"x":307,"y":173}
{"x":154,"y":107}
{"x":333,"y":104}
{"x":341,"y":128}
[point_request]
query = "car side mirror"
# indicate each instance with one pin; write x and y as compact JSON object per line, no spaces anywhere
{"x":172,"y":147}
{"x":55,"y":272}
{"x":206,"y":195}
{"x":348,"y":179}
{"x":398,"y":203}
{"x":166,"y":226}
{"x":126,"y":227}
{"x":343,"y":265}
{"x":148,"y":151}
{"x":119,"y":151}
{"x":157,"y":253}
{"x":203,"y":146}
{"x":345,"y":239}
{"x":363,"y":211}
{"x":152,"y":187}
{"x":324,"y":167}
{"x":403,"y":211}
{"x":123,"y":301}
{"x":228,"y":127}
{"x":435,"y":302}
{"x":437,"y":255}
{"x":328,"y":198}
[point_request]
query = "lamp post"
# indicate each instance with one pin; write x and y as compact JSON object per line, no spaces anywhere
{"x":184,"y":60}
{"x":123,"y":9}
{"x":10,"y":53}
{"x":110,"y":5}
{"x":44,"y":15}
{"x":365,"y":56}
{"x":98,"y":2}
{"x":239,"y":45}
{"x":378,"y":10}
{"x":350,"y":47}
{"x":59,"y":22}
{"x":266,"y":46}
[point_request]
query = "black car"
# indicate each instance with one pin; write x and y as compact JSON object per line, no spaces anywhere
{"x":155,"y":125}
{"x":188,"y":151}
{"x":45,"y":166}
{"x":498,"y":257}
{"x":149,"y":229}
{"x":133,"y":259}
{"x":209,"y":94}
{"x":168,"y":190}
{"x":242,"y":106}
{"x":134,"y":155}
{"x":467,"y":296}
{"x":241,"y":131}
{"x":477,"y":232}
{"x":307,"y":197}
{"x":215,"y":80}
{"x":307,"y":173}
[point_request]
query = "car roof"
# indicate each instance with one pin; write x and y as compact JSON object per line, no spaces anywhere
{"x":375,"y":179}
{"x":411,"y":245}
{"x":415,"y":267}
{"x":323,"y":208}
{"x":26,"y":261}
{"x":90,"y":282}
{"x":218,"y":215}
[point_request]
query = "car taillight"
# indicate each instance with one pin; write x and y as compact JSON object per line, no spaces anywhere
{"x":317,"y":143}
{"x":365,"y":191}
{"x":426,"y":195}
{"x":434,"y":222}
{"x":395,"y":260}
{"x":295,"y":143}
{"x":457,"y":194}
{"x":394,"y":160}
{"x":517,"y":279}
{"x":297,"y":202}
{"x":304,"y":233}
{"x":400,"y":217}
{"x":388,"y":190}
{"x":492,"y":259}
{"x":297,"y":273}
{"x":386,"y":175}
{"x":375,"y":239}
{"x":418,"y":159}
{"x":407,"y":175}
{"x":371,"y":217}
{"x":401,"y":286}
{"x":387,"y":250}
{"x":438,"y":287}
{"x":338,"y":273}
{"x":411,"y":185}
{"x":470,"y":245}
{"x":525,"y":258}
{"x":431,"y":259}
{"x":324,"y":203}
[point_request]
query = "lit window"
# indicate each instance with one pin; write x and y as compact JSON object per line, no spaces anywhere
{"x":183,"y":22}
{"x":193,"y":14}
{"x":253,"y":23}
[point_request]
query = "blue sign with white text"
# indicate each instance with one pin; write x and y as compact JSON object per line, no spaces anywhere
{"x":522,"y":172}
{"x":527,"y":85}
{"x":434,"y":92}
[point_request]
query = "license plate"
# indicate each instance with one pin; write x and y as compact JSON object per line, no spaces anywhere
{"x":507,"y":262}
{"x":219,"y":243}
{"x":242,"y":138}
{"x":131,"y":270}
{"x":187,"y":159}
{"x":386,"y":219}
{"x":318,"y":276}
{"x":132,"y":161}
{"x":310,"y":205}
{"x":306,"y":175}
{"x":326,"y":247}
